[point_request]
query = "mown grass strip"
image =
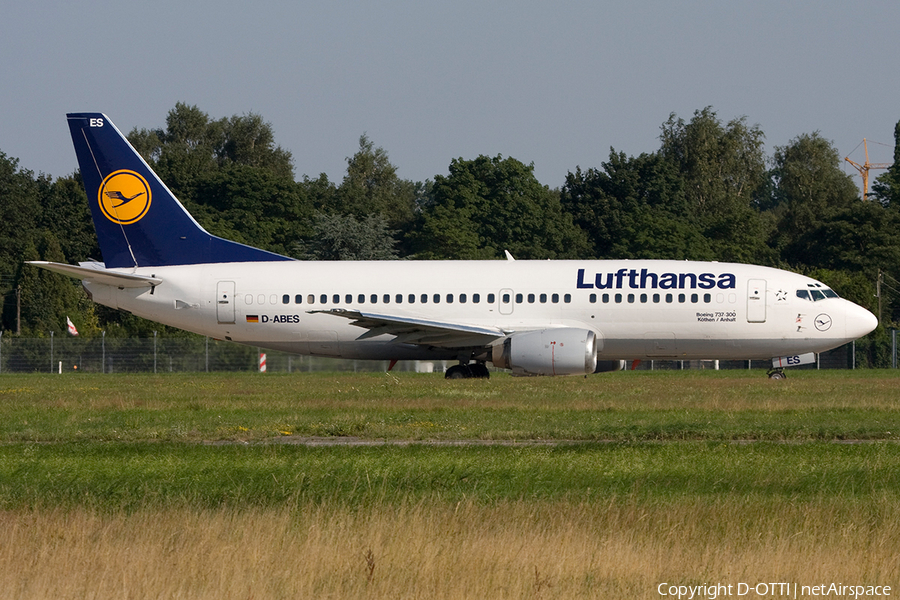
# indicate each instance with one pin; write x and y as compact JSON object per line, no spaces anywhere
{"x":122,"y":475}
{"x":623,"y":407}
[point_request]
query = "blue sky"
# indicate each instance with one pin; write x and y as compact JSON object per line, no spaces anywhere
{"x":551,"y":83}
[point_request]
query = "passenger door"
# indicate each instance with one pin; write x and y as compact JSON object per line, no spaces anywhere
{"x":756,"y":301}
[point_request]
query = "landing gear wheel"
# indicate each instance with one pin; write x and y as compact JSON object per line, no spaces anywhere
{"x":776,"y":374}
{"x":479,"y":371}
{"x":458,"y":372}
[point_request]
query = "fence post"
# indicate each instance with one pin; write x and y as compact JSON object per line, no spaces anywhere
{"x":893,"y":349}
{"x":51,"y":351}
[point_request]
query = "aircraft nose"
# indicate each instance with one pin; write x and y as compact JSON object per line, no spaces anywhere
{"x":859,"y":321}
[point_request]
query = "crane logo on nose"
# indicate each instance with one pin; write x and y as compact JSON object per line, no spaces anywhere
{"x":124,"y":197}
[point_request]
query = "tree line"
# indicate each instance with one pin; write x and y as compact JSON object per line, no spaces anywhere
{"x":709,"y":192}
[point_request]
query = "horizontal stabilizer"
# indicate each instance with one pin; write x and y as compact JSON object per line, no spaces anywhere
{"x":99,"y":274}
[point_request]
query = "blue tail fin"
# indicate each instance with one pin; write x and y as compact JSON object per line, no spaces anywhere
{"x":139,"y":222}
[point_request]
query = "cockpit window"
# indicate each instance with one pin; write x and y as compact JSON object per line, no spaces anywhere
{"x":817,"y":294}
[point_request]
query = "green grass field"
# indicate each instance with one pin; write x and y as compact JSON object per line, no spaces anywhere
{"x":563,"y":487}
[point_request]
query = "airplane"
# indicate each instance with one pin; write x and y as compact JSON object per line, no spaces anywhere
{"x":532,"y":317}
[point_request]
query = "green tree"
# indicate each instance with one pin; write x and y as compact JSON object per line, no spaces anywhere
{"x":886,"y":188}
{"x":254,"y":206}
{"x":809,"y":189}
{"x":724,"y":171}
{"x":67,"y":215}
{"x":48,"y":298}
{"x":192,"y":147}
{"x":344,"y":237}
{"x":372,"y":186}
{"x":634,"y":208}
{"x":487,"y":205}
{"x":20,"y":213}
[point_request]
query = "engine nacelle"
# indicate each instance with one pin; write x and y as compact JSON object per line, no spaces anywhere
{"x":560,"y":351}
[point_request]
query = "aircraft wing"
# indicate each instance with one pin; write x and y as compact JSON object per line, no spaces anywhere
{"x":408,"y":330}
{"x":96,"y":273}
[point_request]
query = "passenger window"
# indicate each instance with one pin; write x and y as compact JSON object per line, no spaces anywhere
{"x":261,"y":299}
{"x":449,"y":298}
{"x":519,"y":298}
{"x":361,"y":299}
{"x":707,"y":298}
{"x":630,"y":298}
{"x":298,"y":299}
{"x":399,"y":298}
{"x":386,"y":298}
{"x":424,"y":298}
{"x":411,"y":298}
{"x":655,"y":298}
{"x":554,"y":298}
{"x":669,"y":298}
{"x":286,"y":299}
{"x":643,"y":298}
{"x":437,"y":298}
{"x":680,"y":298}
{"x":567,"y":298}
{"x":323,"y":298}
{"x":373,"y":298}
{"x":543,"y":298}
{"x":476,"y":298}
{"x":348,"y":298}
{"x":462,"y":298}
{"x":491,"y":298}
{"x":530,"y":298}
{"x":273,"y":299}
{"x":506,"y":298}
{"x":593,"y":298}
{"x":605,"y":298}
{"x":618,"y":298}
{"x":248,"y":298}
{"x":336,"y":298}
{"x":309,"y":299}
{"x":695,"y":298}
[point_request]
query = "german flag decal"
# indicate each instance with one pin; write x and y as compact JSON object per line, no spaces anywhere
{"x":253,"y":318}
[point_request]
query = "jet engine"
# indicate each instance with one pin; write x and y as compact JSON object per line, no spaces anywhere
{"x":560,"y":351}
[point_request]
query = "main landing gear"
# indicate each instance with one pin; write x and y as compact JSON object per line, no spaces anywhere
{"x":466,"y":371}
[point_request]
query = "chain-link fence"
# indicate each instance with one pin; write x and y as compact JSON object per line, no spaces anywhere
{"x":62,"y":354}
{"x":58,"y":354}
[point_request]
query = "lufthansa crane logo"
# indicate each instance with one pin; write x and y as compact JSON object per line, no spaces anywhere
{"x":823,"y":322}
{"x":124,"y":197}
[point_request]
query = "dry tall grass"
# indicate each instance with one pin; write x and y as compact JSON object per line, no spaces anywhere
{"x":623,"y":549}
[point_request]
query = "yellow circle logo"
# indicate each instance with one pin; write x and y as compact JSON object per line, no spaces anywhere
{"x":124,"y":197}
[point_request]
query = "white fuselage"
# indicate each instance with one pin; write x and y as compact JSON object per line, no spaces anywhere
{"x":637,"y":309}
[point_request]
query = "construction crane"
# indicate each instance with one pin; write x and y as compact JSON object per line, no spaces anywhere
{"x":865,"y":167}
